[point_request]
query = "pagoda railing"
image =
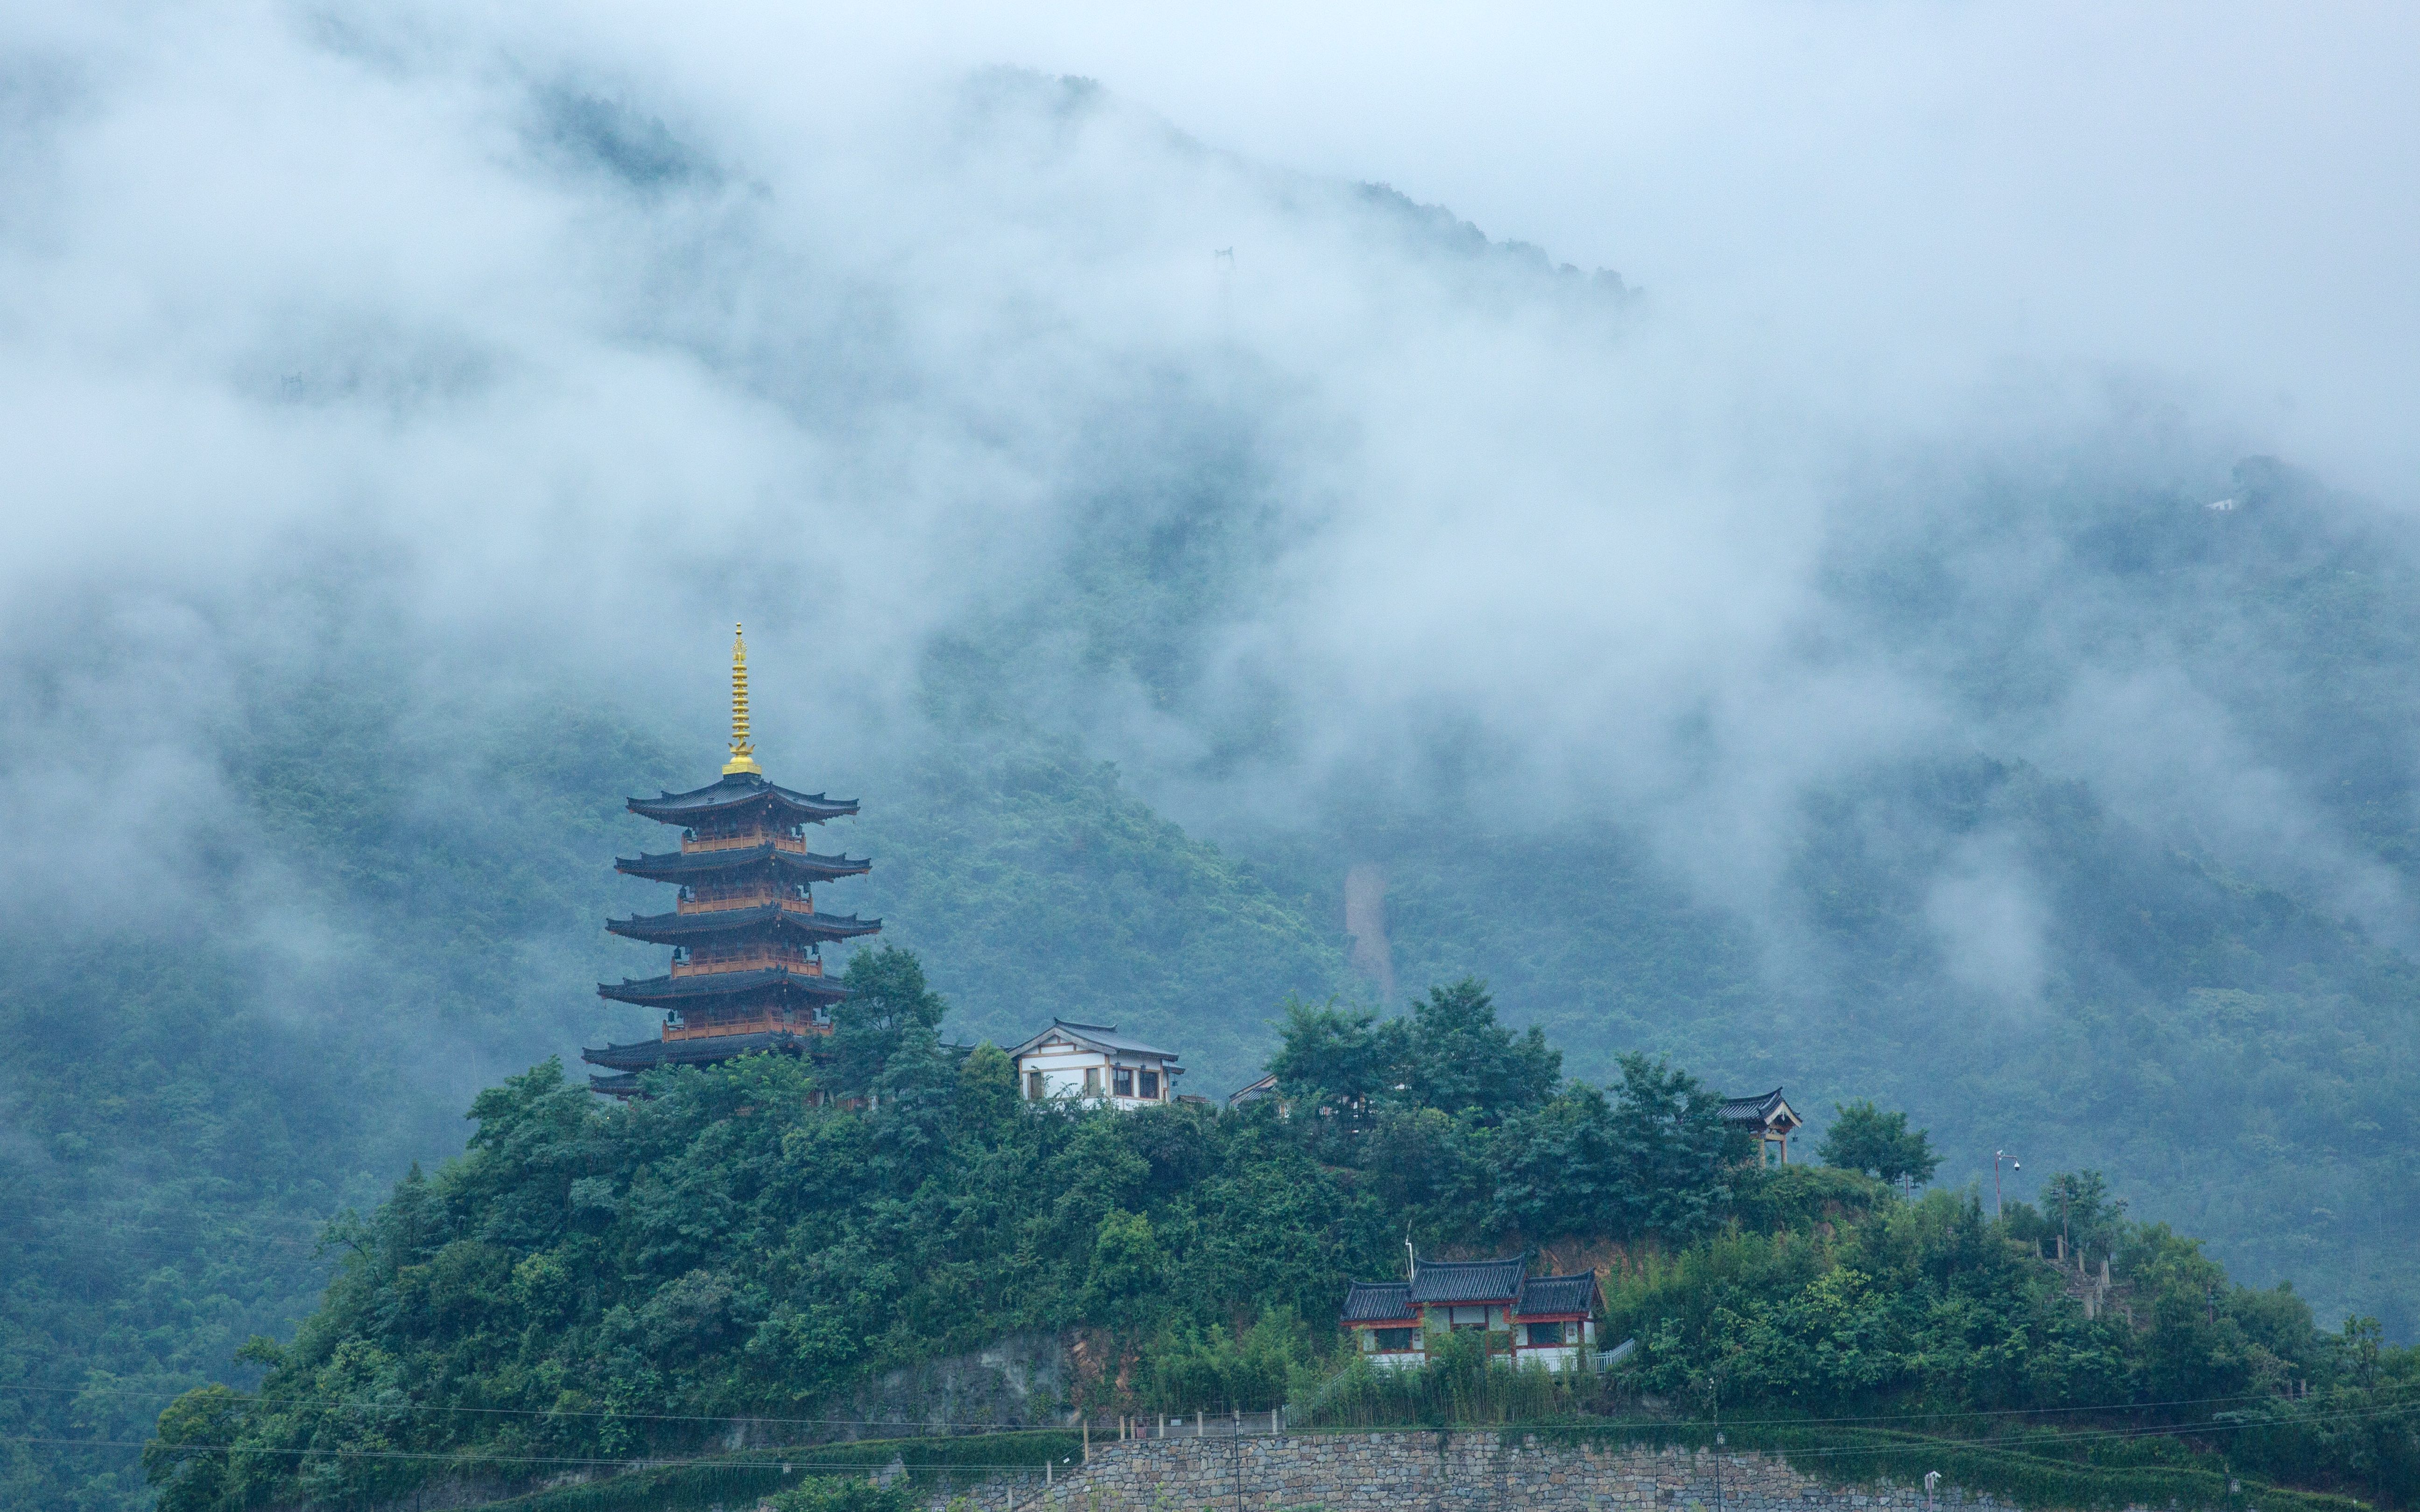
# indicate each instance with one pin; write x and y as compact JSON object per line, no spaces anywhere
{"x":694,"y":1028}
{"x":752,"y":961}
{"x":721,"y":905}
{"x":692,"y":846}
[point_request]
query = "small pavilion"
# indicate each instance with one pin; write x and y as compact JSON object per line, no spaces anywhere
{"x":1768,"y":1119}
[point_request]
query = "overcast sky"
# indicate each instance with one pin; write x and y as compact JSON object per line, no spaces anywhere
{"x":2221,"y":194}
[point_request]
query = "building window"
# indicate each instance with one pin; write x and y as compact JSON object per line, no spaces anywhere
{"x":1121,"y":1081}
{"x":1393,"y":1340}
{"x":1546,"y":1333}
{"x":1092,"y":1081}
{"x":1466,"y":1318}
{"x":1033,"y":1085}
{"x":1151,"y":1083}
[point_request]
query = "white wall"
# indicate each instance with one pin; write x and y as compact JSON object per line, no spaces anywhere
{"x":1063,"y":1072}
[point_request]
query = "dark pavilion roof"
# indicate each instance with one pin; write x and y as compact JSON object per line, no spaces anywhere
{"x":666,"y":992}
{"x":698,"y":1050}
{"x":1378,"y":1302}
{"x":1759,"y":1112}
{"x":683,"y":929}
{"x":1451,"y":1281}
{"x":1445,"y":1282}
{"x":737,"y":793}
{"x":1545,"y":1294}
{"x":680,"y":866}
{"x":1102,"y":1037}
{"x":1253,"y":1092}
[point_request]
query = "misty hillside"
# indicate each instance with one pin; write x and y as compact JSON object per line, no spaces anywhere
{"x":2047,"y":771}
{"x":180,"y":1127}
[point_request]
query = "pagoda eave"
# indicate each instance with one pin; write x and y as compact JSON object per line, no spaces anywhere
{"x":687,"y":866}
{"x":707,"y":986}
{"x":684,"y":929}
{"x":737,"y":793}
{"x":704,"y":1050}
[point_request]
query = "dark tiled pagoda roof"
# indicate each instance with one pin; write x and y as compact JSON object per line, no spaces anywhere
{"x":665,"y":991}
{"x":1761,"y":1115}
{"x":1451,"y":1281}
{"x":681,"y":866}
{"x":1572,"y":1295}
{"x":736,"y":795}
{"x":682,"y":928}
{"x":698,"y":1050}
{"x":1751,"y":1109}
{"x":1378,"y":1302}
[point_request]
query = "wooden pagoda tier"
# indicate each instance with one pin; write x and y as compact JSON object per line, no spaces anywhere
{"x":779,"y":921}
{"x":649,"y":1054}
{"x":688,"y":867}
{"x":746,"y":972}
{"x":778,"y":986}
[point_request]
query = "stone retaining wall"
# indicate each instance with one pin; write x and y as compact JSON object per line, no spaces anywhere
{"x":1470,"y":1472}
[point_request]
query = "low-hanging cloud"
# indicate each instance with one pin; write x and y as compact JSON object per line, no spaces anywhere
{"x":564,"y":350}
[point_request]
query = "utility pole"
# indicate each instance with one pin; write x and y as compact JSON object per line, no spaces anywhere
{"x":1997,"y":1156}
{"x":1715,"y":1390}
{"x":1239,"y":1459}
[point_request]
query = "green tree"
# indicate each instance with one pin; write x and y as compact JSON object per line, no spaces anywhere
{"x":888,"y":1003}
{"x":1128,"y":1271}
{"x":986,"y":1089}
{"x":2088,"y":1216}
{"x":1460,"y":1059}
{"x":1864,"y":1138}
{"x":828,"y":1493}
{"x":1673,"y":1153}
{"x":1558,"y":1168}
{"x":187,"y":1457}
{"x":1334,"y":1064}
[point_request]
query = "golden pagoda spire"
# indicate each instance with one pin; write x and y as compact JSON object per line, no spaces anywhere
{"x":743,"y":754}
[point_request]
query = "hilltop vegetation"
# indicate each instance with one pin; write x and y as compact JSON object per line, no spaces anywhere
{"x":600,"y":1280}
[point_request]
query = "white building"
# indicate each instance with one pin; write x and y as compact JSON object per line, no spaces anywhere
{"x":1093,"y":1060}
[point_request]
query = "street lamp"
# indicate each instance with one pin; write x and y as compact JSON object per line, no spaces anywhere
{"x":1997,"y":1156}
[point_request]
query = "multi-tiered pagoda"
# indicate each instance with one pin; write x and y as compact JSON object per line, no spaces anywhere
{"x":747,"y":970}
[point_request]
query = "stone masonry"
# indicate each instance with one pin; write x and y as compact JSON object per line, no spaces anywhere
{"x":1432,"y":1472}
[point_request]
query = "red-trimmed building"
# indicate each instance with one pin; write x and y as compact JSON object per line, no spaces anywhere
{"x":1548,"y":1318}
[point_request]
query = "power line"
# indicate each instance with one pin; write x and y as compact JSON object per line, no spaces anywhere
{"x":257,"y":1399}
